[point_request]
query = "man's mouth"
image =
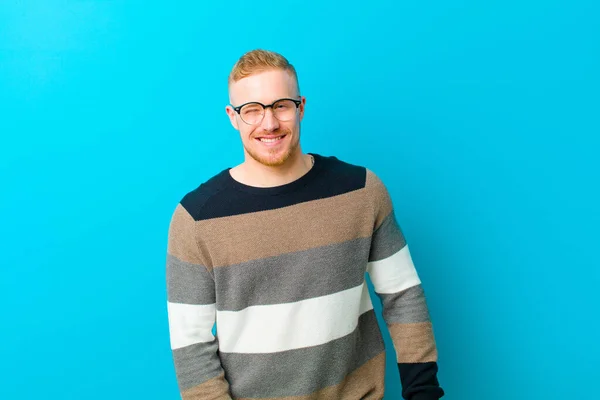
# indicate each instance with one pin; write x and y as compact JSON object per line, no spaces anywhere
{"x":270,"y":139}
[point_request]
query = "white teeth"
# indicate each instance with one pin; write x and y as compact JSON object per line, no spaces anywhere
{"x":270,"y":140}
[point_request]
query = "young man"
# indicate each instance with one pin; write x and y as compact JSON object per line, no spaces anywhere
{"x":275,"y":251}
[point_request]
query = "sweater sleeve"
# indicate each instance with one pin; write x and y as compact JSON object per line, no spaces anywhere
{"x":191,"y":307}
{"x":397,"y":284}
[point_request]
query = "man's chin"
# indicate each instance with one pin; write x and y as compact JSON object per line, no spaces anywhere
{"x":272,"y":160}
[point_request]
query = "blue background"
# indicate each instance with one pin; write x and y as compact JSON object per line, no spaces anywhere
{"x":481,"y":117}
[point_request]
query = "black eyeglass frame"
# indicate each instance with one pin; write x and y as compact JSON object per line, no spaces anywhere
{"x":264,"y":106}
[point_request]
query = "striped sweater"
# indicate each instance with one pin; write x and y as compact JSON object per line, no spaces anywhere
{"x":267,"y":296}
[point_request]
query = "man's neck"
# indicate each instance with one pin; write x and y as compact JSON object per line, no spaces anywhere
{"x":253,"y":173}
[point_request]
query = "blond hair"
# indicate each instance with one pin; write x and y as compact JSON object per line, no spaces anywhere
{"x":259,"y":60}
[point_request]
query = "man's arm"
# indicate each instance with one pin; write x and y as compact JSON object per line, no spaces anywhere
{"x":405,"y":311}
{"x":191,"y":306}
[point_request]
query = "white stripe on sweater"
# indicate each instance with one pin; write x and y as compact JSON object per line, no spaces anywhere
{"x":280,"y":327}
{"x":190,"y":324}
{"x":393,"y":274}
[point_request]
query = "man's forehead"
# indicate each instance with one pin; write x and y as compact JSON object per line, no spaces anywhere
{"x":264,"y":87}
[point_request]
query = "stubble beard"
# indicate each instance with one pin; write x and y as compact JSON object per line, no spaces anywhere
{"x":270,"y":160}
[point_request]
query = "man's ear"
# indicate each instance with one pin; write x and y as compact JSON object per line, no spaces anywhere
{"x":232,"y":117}
{"x":301,"y":107}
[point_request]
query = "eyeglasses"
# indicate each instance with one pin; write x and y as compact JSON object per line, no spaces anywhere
{"x":253,"y":113}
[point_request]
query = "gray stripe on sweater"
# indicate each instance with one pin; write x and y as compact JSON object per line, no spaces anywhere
{"x":303,"y":371}
{"x":292,"y":277}
{"x":387,"y":239}
{"x":188,"y":283}
{"x":196,"y":364}
{"x":405,"y":307}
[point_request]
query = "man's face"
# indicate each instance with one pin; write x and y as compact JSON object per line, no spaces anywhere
{"x":266,"y":88}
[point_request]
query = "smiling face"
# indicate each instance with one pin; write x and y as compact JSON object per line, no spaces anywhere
{"x":270,"y":142}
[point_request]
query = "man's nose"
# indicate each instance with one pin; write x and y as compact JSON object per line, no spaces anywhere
{"x":269,"y":122}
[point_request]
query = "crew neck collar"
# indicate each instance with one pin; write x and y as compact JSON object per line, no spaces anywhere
{"x":276,"y":190}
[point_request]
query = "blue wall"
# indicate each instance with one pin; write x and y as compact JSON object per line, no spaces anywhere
{"x":481,"y":117}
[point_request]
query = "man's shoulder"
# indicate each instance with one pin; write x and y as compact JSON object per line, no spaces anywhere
{"x":356,"y":175}
{"x":337,"y":162}
{"x":195,"y":200}
{"x":344,"y":169}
